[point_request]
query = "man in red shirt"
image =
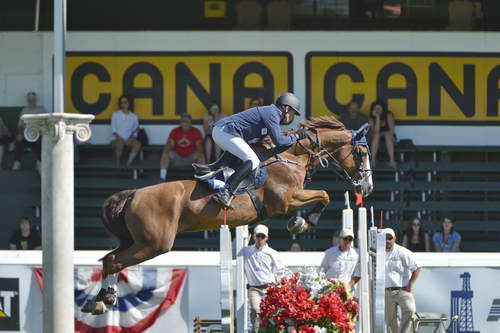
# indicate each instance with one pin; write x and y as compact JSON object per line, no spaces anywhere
{"x":183,"y":147}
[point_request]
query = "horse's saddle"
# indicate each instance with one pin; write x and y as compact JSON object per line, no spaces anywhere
{"x":216,"y":174}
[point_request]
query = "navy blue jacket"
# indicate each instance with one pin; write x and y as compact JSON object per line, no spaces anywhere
{"x":248,"y":125}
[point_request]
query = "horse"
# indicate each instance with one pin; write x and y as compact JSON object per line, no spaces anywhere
{"x":147,"y":220}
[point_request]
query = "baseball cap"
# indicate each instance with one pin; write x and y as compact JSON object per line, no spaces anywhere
{"x":261,"y":229}
{"x":389,"y":231}
{"x":346,"y":233}
{"x":185,"y":116}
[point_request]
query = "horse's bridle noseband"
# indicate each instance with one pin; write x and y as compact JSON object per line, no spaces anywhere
{"x":324,"y":160}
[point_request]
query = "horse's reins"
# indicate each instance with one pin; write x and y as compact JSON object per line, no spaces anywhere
{"x":324,"y":161}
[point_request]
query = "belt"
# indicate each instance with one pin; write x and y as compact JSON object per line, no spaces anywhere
{"x":263,"y":286}
{"x":395,"y":288}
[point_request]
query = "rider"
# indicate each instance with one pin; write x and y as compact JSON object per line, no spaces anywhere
{"x":232,"y":134}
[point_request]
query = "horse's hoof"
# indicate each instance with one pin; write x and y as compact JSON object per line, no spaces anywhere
{"x":297,"y":225}
{"x":110,"y":297}
{"x":99,"y":308}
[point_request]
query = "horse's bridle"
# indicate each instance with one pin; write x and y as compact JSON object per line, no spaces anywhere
{"x":320,"y":153}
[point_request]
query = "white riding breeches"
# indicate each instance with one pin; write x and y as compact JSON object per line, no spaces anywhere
{"x":235,"y":145}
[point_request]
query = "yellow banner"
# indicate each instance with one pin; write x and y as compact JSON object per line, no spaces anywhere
{"x":165,"y":85}
{"x":417,"y":87}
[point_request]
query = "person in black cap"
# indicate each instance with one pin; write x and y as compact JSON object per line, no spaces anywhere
{"x":233,"y":133}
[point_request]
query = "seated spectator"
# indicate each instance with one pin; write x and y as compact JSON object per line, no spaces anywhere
{"x":353,"y":118}
{"x":295,"y":246}
{"x":415,"y":238}
{"x":254,"y":102}
{"x":5,"y":138}
{"x":183,"y":147}
{"x":211,"y":150}
{"x":447,"y":240}
{"x":21,"y":142}
{"x":124,"y":126}
{"x":382,"y":125}
{"x":25,"y":238}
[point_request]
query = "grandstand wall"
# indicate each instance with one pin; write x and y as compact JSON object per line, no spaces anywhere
{"x":26,"y":60}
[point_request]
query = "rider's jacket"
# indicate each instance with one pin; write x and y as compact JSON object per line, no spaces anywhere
{"x":250,"y":123}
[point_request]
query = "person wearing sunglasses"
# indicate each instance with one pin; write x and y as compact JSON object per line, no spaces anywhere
{"x":401,"y":272}
{"x":416,"y":238}
{"x":124,"y":126}
{"x":342,"y":262}
{"x":262,"y":266}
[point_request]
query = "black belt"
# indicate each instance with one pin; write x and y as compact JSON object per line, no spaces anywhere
{"x":395,"y":288}
{"x":263,"y":286}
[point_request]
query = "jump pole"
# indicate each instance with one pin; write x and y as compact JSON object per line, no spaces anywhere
{"x":226,"y":286}
{"x":241,"y":281}
{"x":365,"y":308}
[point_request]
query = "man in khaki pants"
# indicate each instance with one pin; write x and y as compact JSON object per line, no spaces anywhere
{"x":262,"y":264}
{"x":401,"y":272}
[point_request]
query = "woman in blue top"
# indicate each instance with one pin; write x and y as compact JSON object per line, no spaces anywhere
{"x":447,"y":240}
{"x":233,"y":133}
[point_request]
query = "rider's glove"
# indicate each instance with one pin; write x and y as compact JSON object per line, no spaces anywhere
{"x":301,"y":133}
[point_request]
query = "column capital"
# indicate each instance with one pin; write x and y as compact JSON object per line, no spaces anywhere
{"x":57,"y":125}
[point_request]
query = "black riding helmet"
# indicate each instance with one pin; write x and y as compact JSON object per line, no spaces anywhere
{"x":291,"y":100}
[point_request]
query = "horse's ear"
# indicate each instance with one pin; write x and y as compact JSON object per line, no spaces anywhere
{"x":361,"y":132}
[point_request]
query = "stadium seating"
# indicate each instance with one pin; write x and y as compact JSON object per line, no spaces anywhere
{"x":430,"y":182}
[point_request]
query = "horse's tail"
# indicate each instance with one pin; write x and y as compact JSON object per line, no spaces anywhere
{"x":113,"y":216}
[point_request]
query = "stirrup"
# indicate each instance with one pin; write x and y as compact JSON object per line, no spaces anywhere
{"x":222,"y":202}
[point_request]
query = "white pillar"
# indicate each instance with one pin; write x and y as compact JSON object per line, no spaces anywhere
{"x":226,"y":294}
{"x":364,"y":296}
{"x":241,"y":281}
{"x":57,"y":131}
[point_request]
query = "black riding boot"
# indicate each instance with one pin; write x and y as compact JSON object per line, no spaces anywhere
{"x":225,"y":195}
{"x":208,"y":170}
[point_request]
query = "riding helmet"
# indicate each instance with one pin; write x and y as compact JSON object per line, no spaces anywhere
{"x":291,"y":100}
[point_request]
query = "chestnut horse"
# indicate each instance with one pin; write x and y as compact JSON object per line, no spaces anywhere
{"x":147,"y":220}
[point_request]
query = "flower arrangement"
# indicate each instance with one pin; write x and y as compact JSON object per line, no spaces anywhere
{"x":308,"y":303}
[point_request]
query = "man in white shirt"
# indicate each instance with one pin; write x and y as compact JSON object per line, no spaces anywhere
{"x":342,"y":262}
{"x":401,"y":272}
{"x":262,"y":264}
{"x":124,"y":126}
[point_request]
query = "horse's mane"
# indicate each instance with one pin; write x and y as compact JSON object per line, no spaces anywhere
{"x":323,"y":122}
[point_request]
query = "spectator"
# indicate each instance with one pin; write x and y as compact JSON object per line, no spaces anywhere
{"x":5,"y":138}
{"x":353,"y":118}
{"x":262,"y":265}
{"x":124,"y":124}
{"x":295,"y":246}
{"x":401,"y":272}
{"x":447,"y":240}
{"x":211,"y":150}
{"x":382,"y":125}
{"x":342,"y":262}
{"x":21,"y":142}
{"x":416,"y":239}
{"x":254,"y":102}
{"x":183,"y":147}
{"x":25,"y":238}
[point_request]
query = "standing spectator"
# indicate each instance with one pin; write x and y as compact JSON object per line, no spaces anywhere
{"x":183,"y":147}
{"x":382,"y":125}
{"x":447,"y":240}
{"x":24,"y":238}
{"x":211,"y":150}
{"x":295,"y":246}
{"x":125,"y":124}
{"x":401,"y":272}
{"x":353,"y":119}
{"x":21,"y":142}
{"x":342,"y":262}
{"x":5,"y":138}
{"x":416,"y":239}
{"x":262,"y":265}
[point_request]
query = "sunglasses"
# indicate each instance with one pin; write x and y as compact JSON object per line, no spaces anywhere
{"x":416,"y":224}
{"x":123,"y":102}
{"x":348,"y":239}
{"x":388,"y":237}
{"x":260,"y":236}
